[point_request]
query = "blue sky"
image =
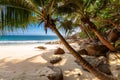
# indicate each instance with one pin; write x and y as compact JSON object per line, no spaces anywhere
{"x":31,"y":30}
{"x":36,"y":30}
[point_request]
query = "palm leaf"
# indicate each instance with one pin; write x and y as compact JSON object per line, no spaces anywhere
{"x":22,"y":4}
{"x":67,"y":26}
{"x":69,"y":6}
{"x":16,"y":14}
{"x":40,"y":3}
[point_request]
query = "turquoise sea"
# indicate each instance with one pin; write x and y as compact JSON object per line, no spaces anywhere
{"x":22,"y":39}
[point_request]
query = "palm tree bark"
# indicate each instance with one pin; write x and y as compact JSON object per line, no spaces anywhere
{"x":86,"y":32}
{"x":115,"y":25}
{"x":83,"y":62}
{"x":101,"y":38}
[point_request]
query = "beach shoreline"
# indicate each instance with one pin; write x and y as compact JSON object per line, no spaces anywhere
{"x":20,"y":62}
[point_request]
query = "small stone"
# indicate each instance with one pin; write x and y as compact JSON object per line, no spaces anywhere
{"x":119,"y":76}
{"x":59,"y":51}
{"x":79,"y":74}
{"x":55,"y":60}
{"x":51,"y":72}
{"x":41,"y":47}
{"x":117,"y":67}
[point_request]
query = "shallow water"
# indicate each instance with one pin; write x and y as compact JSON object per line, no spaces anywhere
{"x":26,"y":39}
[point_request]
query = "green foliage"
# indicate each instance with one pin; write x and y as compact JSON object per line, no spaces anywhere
{"x":117,"y":43}
{"x":111,"y":12}
{"x":82,"y":35}
{"x":16,"y":14}
{"x":89,"y":9}
{"x":40,"y":2}
{"x":21,"y":13}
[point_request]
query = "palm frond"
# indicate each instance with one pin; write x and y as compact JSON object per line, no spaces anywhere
{"x":40,"y":3}
{"x":67,"y":26}
{"x":67,"y":9}
{"x":22,"y":4}
{"x":16,"y":14}
{"x":93,"y":7}
{"x":87,"y":3}
{"x":70,"y":6}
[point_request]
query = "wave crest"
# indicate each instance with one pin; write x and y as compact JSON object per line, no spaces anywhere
{"x":25,"y":42}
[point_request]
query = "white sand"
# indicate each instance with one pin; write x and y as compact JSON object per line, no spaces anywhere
{"x":22,"y":51}
{"x":20,"y":62}
{"x":18,"y":59}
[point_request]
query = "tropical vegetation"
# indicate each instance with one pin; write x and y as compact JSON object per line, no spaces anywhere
{"x":89,"y":15}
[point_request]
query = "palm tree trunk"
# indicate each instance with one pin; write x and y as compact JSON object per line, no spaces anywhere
{"x":101,"y":38}
{"x":115,"y":25}
{"x":86,"y":32}
{"x":83,"y":62}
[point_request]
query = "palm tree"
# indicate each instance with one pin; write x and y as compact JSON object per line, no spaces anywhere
{"x":87,"y":11}
{"x":17,"y":13}
{"x":111,"y":15}
{"x":70,"y":22}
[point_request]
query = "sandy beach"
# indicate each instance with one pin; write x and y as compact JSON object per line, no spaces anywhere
{"x":22,"y":61}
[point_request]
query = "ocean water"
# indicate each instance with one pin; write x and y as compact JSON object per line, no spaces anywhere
{"x":25,"y":39}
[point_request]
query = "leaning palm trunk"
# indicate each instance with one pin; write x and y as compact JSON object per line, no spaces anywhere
{"x":111,"y":22}
{"x":101,"y":38}
{"x":83,"y":62}
{"x":86,"y":32}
